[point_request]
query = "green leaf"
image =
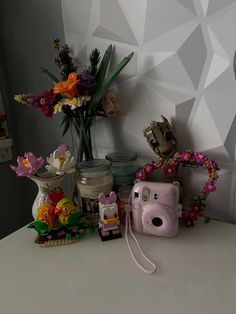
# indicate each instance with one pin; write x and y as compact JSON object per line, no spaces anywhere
{"x":51,"y":76}
{"x":31,"y":225}
{"x":41,"y":227}
{"x":63,"y":120}
{"x":108,"y":81}
{"x":66,"y":122}
{"x":101,"y":73}
{"x":74,"y":219}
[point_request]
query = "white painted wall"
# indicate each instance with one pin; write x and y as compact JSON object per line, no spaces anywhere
{"x":182,"y":68}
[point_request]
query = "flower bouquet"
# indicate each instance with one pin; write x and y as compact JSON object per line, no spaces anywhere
{"x":57,"y":220}
{"x":81,"y":94}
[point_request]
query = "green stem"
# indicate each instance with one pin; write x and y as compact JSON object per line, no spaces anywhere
{"x":84,"y":127}
{"x":83,"y":130}
{"x":80,"y":151}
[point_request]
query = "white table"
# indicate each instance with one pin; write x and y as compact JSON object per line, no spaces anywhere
{"x":197,"y":275}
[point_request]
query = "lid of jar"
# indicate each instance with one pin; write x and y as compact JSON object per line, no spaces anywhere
{"x":94,"y":166}
{"x":121,"y":156}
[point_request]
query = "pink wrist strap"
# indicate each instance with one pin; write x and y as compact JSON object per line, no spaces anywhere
{"x":128,"y":229}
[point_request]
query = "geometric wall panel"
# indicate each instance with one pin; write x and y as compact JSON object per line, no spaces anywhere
{"x":193,"y":55}
{"x":204,"y":130}
{"x":220,"y":60}
{"x":189,"y":4}
{"x":115,"y":23}
{"x":163,"y":72}
{"x":182,"y":68}
{"x":136,"y":18}
{"x":217,"y":5}
{"x":77,"y":15}
{"x":162,"y":16}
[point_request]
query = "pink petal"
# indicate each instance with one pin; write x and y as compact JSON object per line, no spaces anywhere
{"x":62,"y":149}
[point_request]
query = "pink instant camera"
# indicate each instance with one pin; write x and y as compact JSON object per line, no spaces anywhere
{"x":156,"y":209}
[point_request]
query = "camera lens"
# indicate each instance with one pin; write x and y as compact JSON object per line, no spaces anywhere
{"x":157,"y":222}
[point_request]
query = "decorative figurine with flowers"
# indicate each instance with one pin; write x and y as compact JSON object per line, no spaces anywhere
{"x":81,"y":94}
{"x":160,"y":136}
{"x":57,"y":220}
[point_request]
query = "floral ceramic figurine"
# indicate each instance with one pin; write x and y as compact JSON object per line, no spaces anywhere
{"x":50,"y":182}
{"x":81,"y":94}
{"x":57,"y":220}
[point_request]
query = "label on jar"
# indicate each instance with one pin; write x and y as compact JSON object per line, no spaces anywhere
{"x":89,"y":193}
{"x":92,"y":191}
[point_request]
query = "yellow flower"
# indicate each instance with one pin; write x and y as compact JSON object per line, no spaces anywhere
{"x":73,"y":101}
{"x":56,"y":107}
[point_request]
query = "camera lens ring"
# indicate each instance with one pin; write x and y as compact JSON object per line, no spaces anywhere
{"x":152,"y":212}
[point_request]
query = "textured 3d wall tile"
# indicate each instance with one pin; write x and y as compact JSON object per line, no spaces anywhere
{"x":182,"y":68}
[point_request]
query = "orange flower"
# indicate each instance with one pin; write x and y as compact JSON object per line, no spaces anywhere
{"x":68,"y":88}
{"x":110,"y":105}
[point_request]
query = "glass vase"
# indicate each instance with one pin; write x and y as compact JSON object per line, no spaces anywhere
{"x":83,"y":138}
{"x":47,"y":183}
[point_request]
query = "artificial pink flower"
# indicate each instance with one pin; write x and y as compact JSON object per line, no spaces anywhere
{"x":141,"y":174}
{"x":185,"y":156}
{"x":209,"y":186}
{"x":199,"y":157}
{"x":62,"y":149}
{"x":149,"y":168}
{"x":170,"y":170}
{"x":28,"y":165}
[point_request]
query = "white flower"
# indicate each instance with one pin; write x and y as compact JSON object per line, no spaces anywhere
{"x":61,"y":161}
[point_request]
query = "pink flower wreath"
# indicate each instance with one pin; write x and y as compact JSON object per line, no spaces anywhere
{"x":170,"y":167}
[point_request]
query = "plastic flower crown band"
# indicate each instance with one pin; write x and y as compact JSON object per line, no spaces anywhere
{"x":59,"y":162}
{"x":170,"y":167}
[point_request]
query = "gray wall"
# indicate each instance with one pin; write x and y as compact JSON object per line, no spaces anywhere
{"x":27,"y":28}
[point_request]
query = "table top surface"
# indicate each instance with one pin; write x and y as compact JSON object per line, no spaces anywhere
{"x":197,"y":274}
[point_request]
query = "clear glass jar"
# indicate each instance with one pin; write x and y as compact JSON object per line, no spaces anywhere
{"x":124,"y":168}
{"x":124,"y":199}
{"x":94,"y":177}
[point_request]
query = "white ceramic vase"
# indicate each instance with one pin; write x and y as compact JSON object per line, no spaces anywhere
{"x":47,"y":182}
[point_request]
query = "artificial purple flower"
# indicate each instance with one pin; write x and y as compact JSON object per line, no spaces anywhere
{"x":86,"y":81}
{"x":27,"y":165}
